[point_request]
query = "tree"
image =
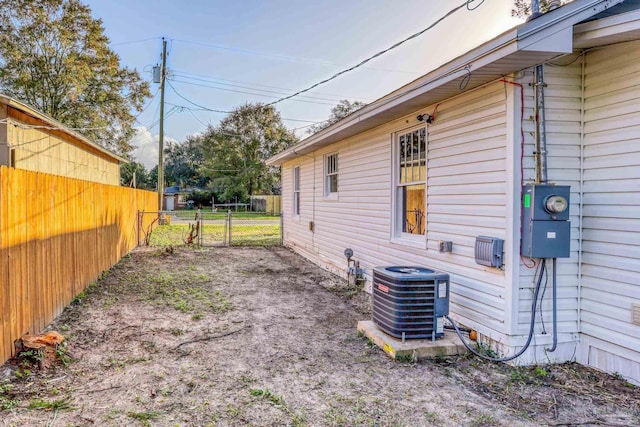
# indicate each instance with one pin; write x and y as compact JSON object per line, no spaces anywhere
{"x":55,"y":57}
{"x":235,"y":151}
{"x":522,"y":8}
{"x":340,"y":111}
{"x":127,"y":171}
{"x":183,"y":163}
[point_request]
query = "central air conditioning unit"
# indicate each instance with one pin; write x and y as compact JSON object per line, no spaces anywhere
{"x":410,"y":302}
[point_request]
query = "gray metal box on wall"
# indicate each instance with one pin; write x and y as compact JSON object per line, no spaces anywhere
{"x":488,"y":251}
{"x":546,"y":230}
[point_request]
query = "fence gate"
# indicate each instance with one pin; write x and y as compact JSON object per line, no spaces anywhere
{"x":197,"y":228}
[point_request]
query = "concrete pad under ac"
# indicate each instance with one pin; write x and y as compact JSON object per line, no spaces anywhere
{"x":449,"y":345}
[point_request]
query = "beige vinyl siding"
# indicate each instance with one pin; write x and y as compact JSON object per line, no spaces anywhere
{"x":563,"y":100}
{"x":466,"y":197}
{"x":611,"y":210}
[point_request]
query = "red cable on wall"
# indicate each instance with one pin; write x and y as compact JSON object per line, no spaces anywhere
{"x":521,"y":154}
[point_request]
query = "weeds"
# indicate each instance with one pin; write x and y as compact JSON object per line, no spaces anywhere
{"x":143,"y":417}
{"x":407,"y":358}
{"x":185,"y":292}
{"x":484,"y":420}
{"x":6,"y":401}
{"x":56,"y":405}
{"x":62,"y":354}
{"x":268,"y":395}
{"x":485,"y":350}
{"x":278,"y":401}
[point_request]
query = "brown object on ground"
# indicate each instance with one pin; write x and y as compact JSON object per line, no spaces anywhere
{"x":43,"y":346}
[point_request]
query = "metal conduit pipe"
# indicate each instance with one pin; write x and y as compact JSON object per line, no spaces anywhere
{"x":555,"y":309}
{"x":541,"y":136}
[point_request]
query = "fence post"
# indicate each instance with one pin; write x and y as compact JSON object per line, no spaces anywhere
{"x":229,"y":221}
{"x":281,"y":229}
{"x":139,"y":226}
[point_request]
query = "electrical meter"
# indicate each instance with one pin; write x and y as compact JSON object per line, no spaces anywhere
{"x":546,"y":230}
{"x":556,"y":204}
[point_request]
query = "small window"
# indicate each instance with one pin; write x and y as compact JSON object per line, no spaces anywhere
{"x":411,"y":182}
{"x":12,"y":160}
{"x":296,"y":191}
{"x":331,"y":174}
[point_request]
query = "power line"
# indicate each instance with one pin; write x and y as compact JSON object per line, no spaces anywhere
{"x":203,"y":108}
{"x":286,"y":57}
{"x":216,"y":78}
{"x":252,"y":88}
{"x":250,"y":93}
{"x":196,"y":117}
{"x":466,"y":4}
{"x":183,"y":107}
{"x":135,"y":41}
{"x":193,"y":103}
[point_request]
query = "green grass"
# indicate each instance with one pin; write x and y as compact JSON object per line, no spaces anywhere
{"x":222,"y":215}
{"x":241,"y":234}
{"x":259,"y":235}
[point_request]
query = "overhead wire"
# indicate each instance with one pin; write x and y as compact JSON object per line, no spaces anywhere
{"x":286,"y":57}
{"x":249,"y":93}
{"x":135,"y":41}
{"x":280,"y":92}
{"x":203,"y":108}
{"x":466,"y":4}
{"x":217,"y":78}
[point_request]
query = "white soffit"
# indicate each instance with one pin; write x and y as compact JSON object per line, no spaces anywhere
{"x":614,"y":29}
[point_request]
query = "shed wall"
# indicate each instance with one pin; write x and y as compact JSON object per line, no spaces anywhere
{"x":50,"y":151}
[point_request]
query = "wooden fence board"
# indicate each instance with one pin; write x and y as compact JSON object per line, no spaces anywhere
{"x":57,"y":235}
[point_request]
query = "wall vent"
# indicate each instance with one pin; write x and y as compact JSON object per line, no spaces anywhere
{"x":635,"y":317}
{"x":489,"y":251}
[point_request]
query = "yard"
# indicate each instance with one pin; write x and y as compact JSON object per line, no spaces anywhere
{"x":258,"y":336}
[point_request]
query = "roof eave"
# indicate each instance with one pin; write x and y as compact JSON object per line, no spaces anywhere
{"x":14,"y":103}
{"x":529,"y":44}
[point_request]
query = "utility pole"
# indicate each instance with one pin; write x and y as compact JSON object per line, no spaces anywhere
{"x":163,"y":75}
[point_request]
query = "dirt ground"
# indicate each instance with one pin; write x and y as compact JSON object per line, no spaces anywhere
{"x":261,"y":337}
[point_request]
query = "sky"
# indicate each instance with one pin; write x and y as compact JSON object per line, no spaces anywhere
{"x":223,"y":54}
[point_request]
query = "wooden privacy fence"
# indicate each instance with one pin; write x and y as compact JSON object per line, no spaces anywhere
{"x":269,"y":204}
{"x":57,"y":235}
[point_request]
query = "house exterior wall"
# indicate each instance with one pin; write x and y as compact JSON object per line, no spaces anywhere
{"x":610,"y":284}
{"x":473,"y":188}
{"x":563,"y":92}
{"x":55,"y":152}
{"x":468,"y":195}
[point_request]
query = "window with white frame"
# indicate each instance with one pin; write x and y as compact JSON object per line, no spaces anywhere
{"x":296,"y":191}
{"x":330,"y":174}
{"x":410,"y":183}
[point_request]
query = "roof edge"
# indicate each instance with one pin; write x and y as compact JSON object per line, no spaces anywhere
{"x":27,"y":109}
{"x":519,"y":38}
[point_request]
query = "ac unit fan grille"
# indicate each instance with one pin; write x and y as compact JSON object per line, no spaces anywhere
{"x":408,"y":308}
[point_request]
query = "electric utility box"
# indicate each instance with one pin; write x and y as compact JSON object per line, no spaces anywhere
{"x":546,"y":230}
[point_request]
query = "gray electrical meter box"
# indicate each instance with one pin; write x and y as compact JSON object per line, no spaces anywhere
{"x":546,"y":230}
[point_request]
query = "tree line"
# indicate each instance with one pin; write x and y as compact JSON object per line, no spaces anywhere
{"x":227,"y":161}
